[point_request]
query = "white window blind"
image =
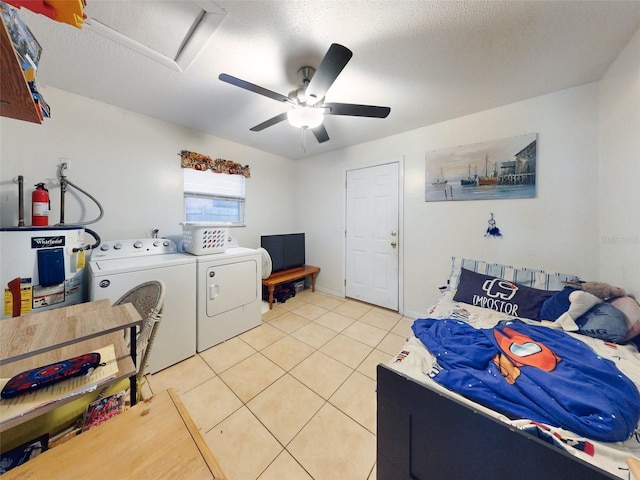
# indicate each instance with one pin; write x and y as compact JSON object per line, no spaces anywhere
{"x":213,"y":197}
{"x":213,"y":184}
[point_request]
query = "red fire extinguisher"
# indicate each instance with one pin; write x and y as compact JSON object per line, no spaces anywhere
{"x":40,"y":206}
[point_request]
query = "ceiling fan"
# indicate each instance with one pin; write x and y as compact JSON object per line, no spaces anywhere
{"x":307,"y":100}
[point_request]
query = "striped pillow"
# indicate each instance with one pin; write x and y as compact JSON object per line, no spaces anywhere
{"x":527,"y":277}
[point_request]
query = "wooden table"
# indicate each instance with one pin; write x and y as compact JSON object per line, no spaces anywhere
{"x":39,"y":339}
{"x":156,"y":439}
{"x":289,"y":275}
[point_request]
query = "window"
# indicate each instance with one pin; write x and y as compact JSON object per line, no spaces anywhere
{"x":213,"y":197}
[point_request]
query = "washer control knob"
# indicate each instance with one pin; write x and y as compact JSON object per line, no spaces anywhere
{"x":137,"y":244}
{"x":156,"y":243}
{"x":117,"y":246}
{"x":104,"y":247}
{"x":166,"y":243}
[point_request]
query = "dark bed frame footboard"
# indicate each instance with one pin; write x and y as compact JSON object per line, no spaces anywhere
{"x":424,"y":435}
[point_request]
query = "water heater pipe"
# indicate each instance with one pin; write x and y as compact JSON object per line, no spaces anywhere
{"x":64,"y":182}
{"x":63,"y":190}
{"x":20,"y":201}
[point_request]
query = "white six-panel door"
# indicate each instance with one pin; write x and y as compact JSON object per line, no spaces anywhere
{"x":372,"y":235}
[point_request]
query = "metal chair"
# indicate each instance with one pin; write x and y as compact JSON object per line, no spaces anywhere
{"x":148,"y":299}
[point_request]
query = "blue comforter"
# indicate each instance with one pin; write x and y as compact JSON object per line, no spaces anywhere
{"x":534,"y":372}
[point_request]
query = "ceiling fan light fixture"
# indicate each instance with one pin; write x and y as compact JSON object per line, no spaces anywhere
{"x":305,"y":117}
{"x":306,"y":102}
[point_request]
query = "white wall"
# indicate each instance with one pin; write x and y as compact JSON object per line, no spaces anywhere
{"x":130,"y":163}
{"x":558,"y":230}
{"x":620,"y":170}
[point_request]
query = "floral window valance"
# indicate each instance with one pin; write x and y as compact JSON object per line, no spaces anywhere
{"x":198,"y":161}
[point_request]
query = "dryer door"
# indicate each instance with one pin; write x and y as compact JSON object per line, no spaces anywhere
{"x":230,"y":286}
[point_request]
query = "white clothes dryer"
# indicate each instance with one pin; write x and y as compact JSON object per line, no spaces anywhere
{"x":118,"y":266}
{"x":229,"y":295}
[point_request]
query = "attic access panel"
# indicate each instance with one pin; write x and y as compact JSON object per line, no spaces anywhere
{"x":172,"y":33}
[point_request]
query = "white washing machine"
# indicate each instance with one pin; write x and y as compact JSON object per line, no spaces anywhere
{"x":118,"y":266}
{"x":229,"y":298}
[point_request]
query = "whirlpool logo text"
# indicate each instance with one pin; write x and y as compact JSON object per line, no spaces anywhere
{"x":45,"y":242}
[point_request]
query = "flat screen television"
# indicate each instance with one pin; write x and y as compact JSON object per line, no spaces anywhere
{"x":286,"y":250}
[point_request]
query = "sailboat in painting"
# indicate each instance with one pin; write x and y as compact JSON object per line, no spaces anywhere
{"x":440,"y":179}
{"x":488,"y":179}
{"x":465,"y":182}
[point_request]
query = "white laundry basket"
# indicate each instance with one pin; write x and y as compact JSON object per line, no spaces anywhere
{"x":201,"y":238}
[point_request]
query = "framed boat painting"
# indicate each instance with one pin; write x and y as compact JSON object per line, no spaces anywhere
{"x":494,"y":170}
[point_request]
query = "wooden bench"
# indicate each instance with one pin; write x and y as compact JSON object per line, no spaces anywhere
{"x":289,"y":275}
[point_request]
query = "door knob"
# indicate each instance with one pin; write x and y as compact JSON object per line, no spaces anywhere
{"x":394,"y":244}
{"x":393,"y":233}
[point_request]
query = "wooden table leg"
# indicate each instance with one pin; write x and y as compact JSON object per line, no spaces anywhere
{"x":271,"y":289}
{"x":313,"y":282}
{"x":133,"y":380}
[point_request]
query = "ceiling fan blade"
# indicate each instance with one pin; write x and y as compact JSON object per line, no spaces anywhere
{"x":332,"y":64}
{"x":354,"y":110}
{"x":320,"y":133}
{"x":254,"y":88}
{"x":272,"y":121}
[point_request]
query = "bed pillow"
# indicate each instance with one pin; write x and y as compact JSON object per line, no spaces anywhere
{"x":528,"y":277}
{"x":630,"y":307}
{"x":556,"y":305}
{"x":500,"y":295}
{"x":603,"y":321}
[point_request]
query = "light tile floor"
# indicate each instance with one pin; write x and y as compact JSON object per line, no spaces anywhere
{"x":295,"y":397}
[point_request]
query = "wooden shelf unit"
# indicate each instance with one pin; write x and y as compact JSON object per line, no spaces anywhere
{"x":37,"y":339}
{"x":16,"y":100}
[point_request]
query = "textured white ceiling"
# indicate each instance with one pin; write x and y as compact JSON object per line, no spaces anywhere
{"x":430,"y":61}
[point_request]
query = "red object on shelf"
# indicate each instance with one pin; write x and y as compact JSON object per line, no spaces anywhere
{"x":16,"y":296}
{"x":40,"y":206}
{"x":37,"y":6}
{"x":65,"y":11}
